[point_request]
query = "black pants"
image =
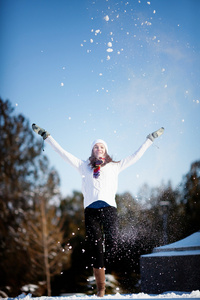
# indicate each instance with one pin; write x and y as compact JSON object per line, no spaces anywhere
{"x":101,"y":233}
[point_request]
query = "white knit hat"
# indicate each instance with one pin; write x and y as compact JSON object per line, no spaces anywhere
{"x":101,"y":142}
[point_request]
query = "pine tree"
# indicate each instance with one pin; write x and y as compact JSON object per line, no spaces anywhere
{"x":18,"y":151}
{"x":190,"y":198}
{"x":31,"y":236}
{"x":47,"y":248}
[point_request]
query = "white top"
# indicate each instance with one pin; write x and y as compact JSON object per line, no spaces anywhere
{"x":105,"y":186}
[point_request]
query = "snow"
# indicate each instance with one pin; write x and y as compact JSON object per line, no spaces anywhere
{"x":106,"y":18}
{"x":172,"y":253}
{"x":183,"y":255}
{"x":187,"y":246}
{"x":109,"y":50}
{"x":192,"y":242}
{"x":169,"y":296}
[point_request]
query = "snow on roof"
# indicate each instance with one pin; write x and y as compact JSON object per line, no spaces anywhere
{"x":187,"y":246}
{"x":190,"y":243}
{"x":172,"y":253}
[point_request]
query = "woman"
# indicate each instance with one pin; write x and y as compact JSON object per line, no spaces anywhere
{"x":99,"y":186}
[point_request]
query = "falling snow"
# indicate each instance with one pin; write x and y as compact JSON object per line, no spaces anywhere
{"x":112,"y":43}
{"x":106,"y":18}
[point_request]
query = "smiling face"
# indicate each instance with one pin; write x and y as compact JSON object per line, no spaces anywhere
{"x":99,"y":150}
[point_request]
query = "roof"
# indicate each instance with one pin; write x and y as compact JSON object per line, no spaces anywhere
{"x":187,"y":246}
{"x":192,"y":242}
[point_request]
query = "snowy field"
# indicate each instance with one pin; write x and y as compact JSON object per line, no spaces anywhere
{"x":168,"y":295}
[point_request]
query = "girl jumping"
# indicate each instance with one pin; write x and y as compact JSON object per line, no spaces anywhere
{"x":99,"y":186}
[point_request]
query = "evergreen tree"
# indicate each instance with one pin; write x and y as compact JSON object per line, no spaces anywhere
{"x":32,"y":246}
{"x":18,"y":151}
{"x":190,"y":199}
{"x":44,"y":238}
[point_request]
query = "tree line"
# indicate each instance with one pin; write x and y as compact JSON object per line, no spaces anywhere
{"x":42,"y":238}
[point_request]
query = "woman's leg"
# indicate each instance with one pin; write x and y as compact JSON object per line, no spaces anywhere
{"x":110,"y":229}
{"x":93,"y":226}
{"x":94,"y":236}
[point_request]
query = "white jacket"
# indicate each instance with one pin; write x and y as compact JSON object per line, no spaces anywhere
{"x":105,"y":186}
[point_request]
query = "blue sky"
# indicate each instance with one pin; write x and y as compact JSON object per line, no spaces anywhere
{"x":115,"y":70}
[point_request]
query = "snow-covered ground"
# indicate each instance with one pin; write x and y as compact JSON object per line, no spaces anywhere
{"x":168,"y":296}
